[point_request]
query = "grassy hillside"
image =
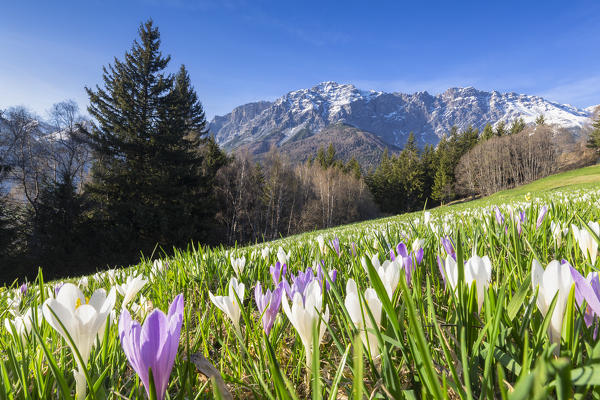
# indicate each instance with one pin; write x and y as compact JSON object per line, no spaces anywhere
{"x":577,"y":179}
{"x":380,"y":309}
{"x":588,"y":177}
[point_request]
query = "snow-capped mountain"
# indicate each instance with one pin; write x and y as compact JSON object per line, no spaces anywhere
{"x":390,"y":116}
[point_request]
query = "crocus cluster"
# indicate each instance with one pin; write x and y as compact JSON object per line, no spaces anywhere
{"x":238,"y":265}
{"x":301,"y":281}
{"x":388,"y":272}
{"x":405,"y":258}
{"x":268,"y":304}
{"x":520,"y":219}
{"x":477,"y":271}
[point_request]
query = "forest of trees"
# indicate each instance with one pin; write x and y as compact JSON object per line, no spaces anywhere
{"x":278,"y":198}
{"x":505,"y":162}
{"x":144,"y":175}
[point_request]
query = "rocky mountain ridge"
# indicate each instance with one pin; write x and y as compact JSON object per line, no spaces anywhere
{"x":389,"y":116}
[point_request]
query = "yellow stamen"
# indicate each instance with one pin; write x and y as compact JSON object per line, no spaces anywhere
{"x":78,"y":302}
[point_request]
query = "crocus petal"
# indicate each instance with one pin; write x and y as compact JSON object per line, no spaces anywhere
{"x":584,"y":290}
{"x":419,"y":255}
{"x":68,"y":296}
{"x":402,"y":251}
{"x":441,"y":267}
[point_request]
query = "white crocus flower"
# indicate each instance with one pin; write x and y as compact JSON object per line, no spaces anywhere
{"x":321,"y":241}
{"x":229,"y":304}
{"x":110,"y":275}
{"x":83,"y":282}
{"x":22,"y":323}
{"x":360,"y":317}
{"x":304,"y":315}
{"x":558,"y":231}
{"x":389,"y":273}
{"x":142,"y":308}
{"x":158,"y":267}
{"x":587,"y":242}
{"x":477,"y":269}
{"x":97,"y":277}
{"x":13,"y":304}
{"x":238,"y":265}
{"x":131,"y":288}
{"x":417,"y":244}
{"x":265,"y":252}
{"x":374,"y":261}
{"x":82,"y":321}
{"x":555,"y":278}
{"x":282,"y":256}
{"x":426,"y":217}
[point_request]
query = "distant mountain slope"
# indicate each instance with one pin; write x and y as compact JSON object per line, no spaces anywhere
{"x":348,"y":142}
{"x":390,"y":116}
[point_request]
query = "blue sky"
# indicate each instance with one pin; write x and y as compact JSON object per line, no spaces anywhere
{"x":242,"y":51}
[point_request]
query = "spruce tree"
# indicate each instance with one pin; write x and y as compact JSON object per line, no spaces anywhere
{"x":429,"y":164}
{"x":151,"y":178}
{"x":501,"y":129}
{"x":517,"y":126}
{"x":440,"y":189}
{"x":540,"y":120}
{"x":410,"y":174}
{"x":352,"y":167}
{"x":488,"y":132}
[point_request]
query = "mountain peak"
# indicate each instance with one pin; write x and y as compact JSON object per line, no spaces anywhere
{"x":390,"y":116}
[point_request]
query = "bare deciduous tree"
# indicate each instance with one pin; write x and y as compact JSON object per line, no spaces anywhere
{"x":505,"y":162}
{"x":70,"y":155}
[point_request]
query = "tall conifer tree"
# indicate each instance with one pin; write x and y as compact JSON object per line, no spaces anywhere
{"x":150,"y":177}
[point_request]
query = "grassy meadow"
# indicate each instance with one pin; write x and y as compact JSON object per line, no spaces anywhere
{"x":495,"y":298}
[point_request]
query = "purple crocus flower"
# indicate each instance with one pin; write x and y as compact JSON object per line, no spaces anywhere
{"x":499,"y":216}
{"x":23,"y":289}
{"x":406,"y":260}
{"x":57,"y":288}
{"x":299,"y":282}
{"x":153,"y":345}
{"x":520,"y":221}
{"x":419,"y":255}
{"x":442,"y":268}
{"x":353,"y":248}
{"x":321,"y":276}
{"x":587,"y":289}
{"x":541,"y":217}
{"x":335,"y":243}
{"x":419,"y":252}
{"x":449,"y":247}
{"x":268,"y":305}
{"x":278,"y":272}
